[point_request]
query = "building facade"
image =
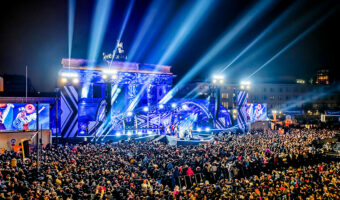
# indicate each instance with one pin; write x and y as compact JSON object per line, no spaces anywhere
{"x":280,"y":97}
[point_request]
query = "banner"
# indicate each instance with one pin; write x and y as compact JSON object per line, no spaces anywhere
{"x":21,"y":116}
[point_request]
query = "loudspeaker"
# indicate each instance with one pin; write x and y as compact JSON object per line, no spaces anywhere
{"x":26,"y":148}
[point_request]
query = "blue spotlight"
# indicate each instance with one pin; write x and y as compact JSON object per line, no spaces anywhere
{"x":219,"y":45}
{"x":273,"y":25}
{"x":146,"y":109}
{"x":173,"y":105}
{"x":122,"y":29}
{"x":71,"y":14}
{"x":99,"y":24}
{"x":100,"y":21}
{"x":207,"y":129}
{"x":186,"y":28}
{"x":161,"y":106}
{"x":199,"y":129}
{"x":292,"y":43}
{"x":139,"y":133}
{"x":129,"y":133}
{"x":152,"y":22}
{"x":129,"y":114}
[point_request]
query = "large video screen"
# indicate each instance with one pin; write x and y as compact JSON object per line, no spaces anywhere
{"x":256,"y":112}
{"x":21,"y":116}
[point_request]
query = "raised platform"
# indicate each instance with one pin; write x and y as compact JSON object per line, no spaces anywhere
{"x":196,"y":140}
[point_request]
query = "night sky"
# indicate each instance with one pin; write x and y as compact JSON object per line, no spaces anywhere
{"x":35,"y":33}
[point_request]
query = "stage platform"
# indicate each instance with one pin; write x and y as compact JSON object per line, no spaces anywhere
{"x":196,"y":140}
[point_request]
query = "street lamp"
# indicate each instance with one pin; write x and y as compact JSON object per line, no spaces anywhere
{"x":217,"y":80}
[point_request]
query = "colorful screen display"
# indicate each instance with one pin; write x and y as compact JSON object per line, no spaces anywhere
{"x":21,"y":116}
{"x":256,"y":112}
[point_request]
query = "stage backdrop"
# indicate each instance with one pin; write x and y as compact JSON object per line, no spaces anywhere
{"x":256,"y":112}
{"x":13,"y":116}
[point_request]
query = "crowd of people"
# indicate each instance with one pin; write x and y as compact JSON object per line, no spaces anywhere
{"x":261,"y":165}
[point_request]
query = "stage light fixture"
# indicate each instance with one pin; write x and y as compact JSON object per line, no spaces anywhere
{"x":146,"y":109}
{"x":129,"y":114}
{"x":207,"y":129}
{"x":118,"y":134}
{"x":199,"y":129}
{"x":69,"y":74}
{"x":75,"y":80}
{"x":104,"y":76}
{"x":214,"y":81}
{"x":160,"y":106}
{"x":129,"y":133}
{"x":149,"y":132}
{"x":242,"y":87}
{"x":274,"y":111}
{"x":63,"y":80}
{"x":114,"y":76}
{"x":173,"y":105}
{"x":139,"y":133}
{"x":110,"y":71}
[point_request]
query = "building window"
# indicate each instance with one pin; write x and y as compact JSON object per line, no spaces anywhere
{"x":271,"y":89}
{"x":264,"y":89}
{"x":264,"y":97}
{"x":281,"y":89}
{"x":225,"y":95}
{"x":287,"y":97}
{"x":272,"y":97}
{"x":287,"y":89}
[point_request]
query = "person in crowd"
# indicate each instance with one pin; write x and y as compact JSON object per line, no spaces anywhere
{"x":261,"y":165}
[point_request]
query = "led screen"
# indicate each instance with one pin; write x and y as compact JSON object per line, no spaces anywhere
{"x":256,"y":112}
{"x":21,"y":116}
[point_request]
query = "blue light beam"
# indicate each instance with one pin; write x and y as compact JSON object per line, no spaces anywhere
{"x":219,"y":45}
{"x":71,"y":14}
{"x":187,"y":27}
{"x":122,"y":29}
{"x":272,"y":26}
{"x":292,"y":43}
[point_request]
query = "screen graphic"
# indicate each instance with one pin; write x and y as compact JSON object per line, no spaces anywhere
{"x":256,"y":112}
{"x":20,"y":116}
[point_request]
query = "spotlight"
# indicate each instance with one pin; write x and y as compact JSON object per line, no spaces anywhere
{"x":118,"y":134}
{"x":110,"y":71}
{"x":146,"y":109}
{"x":185,"y":107}
{"x":242,"y":87}
{"x":274,"y":111}
{"x":248,"y":87}
{"x":104,"y":76}
{"x":221,"y":81}
{"x":63,"y":80}
{"x":161,"y":106}
{"x":129,"y":133}
{"x":69,"y":74}
{"x":234,"y":111}
{"x":75,"y":80}
{"x":114,"y":76}
{"x":207,"y":129}
{"x":139,"y":133}
{"x":129,"y":114}
{"x":173,"y":105}
{"x":149,"y":132}
{"x":199,"y":129}
{"x":214,"y":81}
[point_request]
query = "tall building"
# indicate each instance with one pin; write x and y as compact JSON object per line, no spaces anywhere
{"x":322,"y":77}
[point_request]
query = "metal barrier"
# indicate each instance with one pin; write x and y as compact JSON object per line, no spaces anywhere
{"x":188,"y":181}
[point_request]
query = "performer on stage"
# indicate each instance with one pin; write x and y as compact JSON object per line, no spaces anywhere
{"x":190,"y":131}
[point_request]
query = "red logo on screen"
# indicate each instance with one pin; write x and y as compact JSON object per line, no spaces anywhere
{"x":30,"y":108}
